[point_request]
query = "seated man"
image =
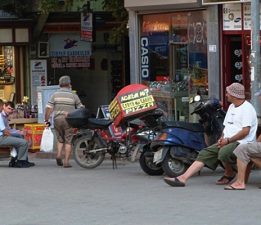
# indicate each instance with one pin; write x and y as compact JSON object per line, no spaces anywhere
{"x":245,"y":154}
{"x":240,"y":127}
{"x":7,"y":139}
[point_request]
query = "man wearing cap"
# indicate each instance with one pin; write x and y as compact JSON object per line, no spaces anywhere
{"x":62,"y":102}
{"x":240,"y":127}
{"x":246,"y":153}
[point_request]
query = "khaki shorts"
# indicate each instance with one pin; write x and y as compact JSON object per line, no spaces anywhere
{"x":212,"y":155}
{"x":246,"y":151}
{"x":63,"y":130}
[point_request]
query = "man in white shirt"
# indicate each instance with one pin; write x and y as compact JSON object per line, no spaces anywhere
{"x":240,"y":127}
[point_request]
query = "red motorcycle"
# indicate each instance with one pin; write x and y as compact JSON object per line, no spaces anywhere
{"x":97,"y":136}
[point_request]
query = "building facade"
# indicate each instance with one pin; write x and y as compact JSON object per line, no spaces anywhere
{"x":184,"y":48}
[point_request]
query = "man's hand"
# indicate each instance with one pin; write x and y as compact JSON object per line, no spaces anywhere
{"x":47,"y":123}
{"x":222,"y":142}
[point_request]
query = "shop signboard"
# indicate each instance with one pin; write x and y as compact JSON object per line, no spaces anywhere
{"x":145,"y":72}
{"x":38,"y":71}
{"x":247,"y":16}
{"x":232,"y":19}
{"x":131,"y":102}
{"x":215,"y":2}
{"x":69,"y":51}
{"x":86,"y":26}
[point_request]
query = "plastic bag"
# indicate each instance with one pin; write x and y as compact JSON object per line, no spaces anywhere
{"x":47,"y":140}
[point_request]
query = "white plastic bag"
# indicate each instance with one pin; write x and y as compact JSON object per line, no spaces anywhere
{"x":47,"y":140}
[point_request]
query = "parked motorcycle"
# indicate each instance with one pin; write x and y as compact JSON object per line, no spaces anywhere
{"x":97,"y":136}
{"x":178,"y":143}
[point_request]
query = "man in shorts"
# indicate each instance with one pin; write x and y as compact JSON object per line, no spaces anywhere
{"x":62,"y":102}
{"x":240,"y":126}
{"x":246,"y":153}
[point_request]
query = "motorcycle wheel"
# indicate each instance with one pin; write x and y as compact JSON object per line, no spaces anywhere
{"x":81,"y":153}
{"x":173,"y":167}
{"x":150,"y":168}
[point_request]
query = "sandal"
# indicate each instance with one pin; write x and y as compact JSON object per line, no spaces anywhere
{"x":59,"y":162}
{"x":67,"y":166}
{"x":174,"y":182}
{"x":224,"y":180}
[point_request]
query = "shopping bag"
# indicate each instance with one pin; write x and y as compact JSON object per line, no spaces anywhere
{"x":47,"y":140}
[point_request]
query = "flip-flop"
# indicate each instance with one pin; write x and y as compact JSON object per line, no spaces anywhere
{"x":224,"y":180}
{"x":67,"y":166}
{"x":174,"y":182}
{"x":59,"y":162}
{"x":231,"y":188}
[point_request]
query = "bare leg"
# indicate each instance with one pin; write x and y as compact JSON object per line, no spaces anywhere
{"x":68,"y":150}
{"x":240,"y":181}
{"x":194,"y":168}
{"x":59,"y":150}
{"x":228,"y":170}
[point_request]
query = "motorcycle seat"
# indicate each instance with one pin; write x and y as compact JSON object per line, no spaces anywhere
{"x":195,"y":127}
{"x":98,"y":123}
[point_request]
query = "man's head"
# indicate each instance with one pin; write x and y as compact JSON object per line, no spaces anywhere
{"x":8,"y":107}
{"x":235,"y":91}
{"x":65,"y":81}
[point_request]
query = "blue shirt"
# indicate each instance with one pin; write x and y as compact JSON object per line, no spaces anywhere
{"x":2,"y":125}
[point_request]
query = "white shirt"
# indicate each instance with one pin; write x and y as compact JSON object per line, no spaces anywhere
{"x":239,"y":117}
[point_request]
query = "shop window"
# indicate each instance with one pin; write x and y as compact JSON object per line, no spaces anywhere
{"x":7,"y":72}
{"x":173,"y":50}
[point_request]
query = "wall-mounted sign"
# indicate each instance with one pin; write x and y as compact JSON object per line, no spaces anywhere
{"x":86,"y":26}
{"x":68,"y":45}
{"x":145,"y":72}
{"x":215,"y":2}
{"x":232,"y":19}
{"x":70,"y":62}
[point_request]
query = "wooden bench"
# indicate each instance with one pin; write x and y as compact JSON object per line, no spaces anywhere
{"x":5,"y":152}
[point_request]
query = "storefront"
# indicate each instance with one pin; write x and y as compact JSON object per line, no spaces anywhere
{"x":173,"y":55}
{"x":14,"y":42}
{"x":236,"y":37}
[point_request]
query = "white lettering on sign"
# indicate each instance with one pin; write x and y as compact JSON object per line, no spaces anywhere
{"x":144,"y":58}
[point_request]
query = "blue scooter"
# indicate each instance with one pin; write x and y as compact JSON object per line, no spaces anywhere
{"x":178,"y":143}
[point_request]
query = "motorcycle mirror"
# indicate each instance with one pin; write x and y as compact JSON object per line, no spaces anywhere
{"x":197,"y":98}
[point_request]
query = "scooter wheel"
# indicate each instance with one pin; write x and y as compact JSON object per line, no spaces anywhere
{"x":173,"y":167}
{"x":148,"y":166}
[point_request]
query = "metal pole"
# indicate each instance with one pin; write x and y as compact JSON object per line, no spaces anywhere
{"x":255,"y":55}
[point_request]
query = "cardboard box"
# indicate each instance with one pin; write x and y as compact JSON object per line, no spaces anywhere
{"x":34,"y":135}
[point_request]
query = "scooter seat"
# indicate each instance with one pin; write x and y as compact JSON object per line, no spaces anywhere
{"x":195,"y":127}
{"x":98,"y":123}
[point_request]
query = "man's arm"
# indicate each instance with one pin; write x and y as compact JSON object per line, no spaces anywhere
{"x":238,"y":136}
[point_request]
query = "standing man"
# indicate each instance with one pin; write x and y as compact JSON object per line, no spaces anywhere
{"x":8,"y":138}
{"x":240,"y":127}
{"x":62,"y":102}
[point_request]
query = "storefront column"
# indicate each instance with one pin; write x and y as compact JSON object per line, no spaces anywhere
{"x":134,"y":47}
{"x":213,"y":51}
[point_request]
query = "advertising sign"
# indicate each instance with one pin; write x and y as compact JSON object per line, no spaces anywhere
{"x":86,"y":26}
{"x":131,"y":102}
{"x":68,"y":51}
{"x":232,"y":19}
{"x":38,"y":77}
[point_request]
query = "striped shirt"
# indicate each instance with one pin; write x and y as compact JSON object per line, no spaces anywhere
{"x":64,"y":101}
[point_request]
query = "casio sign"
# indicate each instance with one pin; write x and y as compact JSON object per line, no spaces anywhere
{"x":144,"y":58}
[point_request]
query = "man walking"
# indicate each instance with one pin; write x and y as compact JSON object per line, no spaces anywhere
{"x":62,"y":102}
